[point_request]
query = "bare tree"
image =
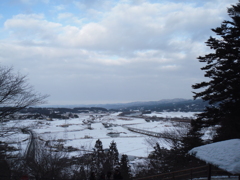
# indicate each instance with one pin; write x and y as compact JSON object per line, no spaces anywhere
{"x":47,"y":163}
{"x":15,"y":92}
{"x":171,"y":137}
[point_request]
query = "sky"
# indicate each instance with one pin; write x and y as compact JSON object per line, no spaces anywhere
{"x":109,"y":51}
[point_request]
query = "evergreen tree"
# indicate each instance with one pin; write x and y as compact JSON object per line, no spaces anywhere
{"x":222,"y":91}
{"x":125,"y":169}
{"x":113,"y":155}
{"x":158,"y":162}
{"x":98,"y":157}
{"x":164,"y":160}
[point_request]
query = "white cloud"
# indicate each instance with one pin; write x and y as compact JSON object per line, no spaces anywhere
{"x":133,"y":46}
{"x":128,"y":27}
{"x":59,"y":7}
{"x":125,"y":29}
{"x":169,"y":67}
{"x":64,"y":15}
{"x":70,"y":18}
{"x":32,"y":28}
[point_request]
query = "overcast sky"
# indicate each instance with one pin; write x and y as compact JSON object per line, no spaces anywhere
{"x":109,"y":51}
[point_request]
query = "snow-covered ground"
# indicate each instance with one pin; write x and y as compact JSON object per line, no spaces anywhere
{"x":73,"y":132}
{"x":173,"y":114}
{"x":224,"y":154}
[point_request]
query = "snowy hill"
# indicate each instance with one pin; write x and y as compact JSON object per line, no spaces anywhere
{"x":178,"y":104}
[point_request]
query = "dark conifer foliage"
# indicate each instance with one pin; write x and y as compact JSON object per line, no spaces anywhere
{"x":98,"y":157}
{"x":125,"y":169}
{"x":113,"y":155}
{"x":105,"y":161}
{"x":223,"y":69}
{"x":158,"y":162}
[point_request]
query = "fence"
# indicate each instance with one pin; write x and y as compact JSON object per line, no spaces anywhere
{"x":187,"y":174}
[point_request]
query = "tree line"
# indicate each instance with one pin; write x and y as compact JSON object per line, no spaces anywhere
{"x":48,"y":164}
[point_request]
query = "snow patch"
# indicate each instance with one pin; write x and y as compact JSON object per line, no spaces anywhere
{"x":224,"y":154}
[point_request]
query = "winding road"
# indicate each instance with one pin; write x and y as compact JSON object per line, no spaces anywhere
{"x":30,"y":150}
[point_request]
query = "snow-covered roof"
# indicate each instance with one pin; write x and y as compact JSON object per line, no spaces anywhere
{"x":224,"y":154}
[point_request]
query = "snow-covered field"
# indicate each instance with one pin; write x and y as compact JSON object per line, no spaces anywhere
{"x":73,"y":132}
{"x":173,"y":114}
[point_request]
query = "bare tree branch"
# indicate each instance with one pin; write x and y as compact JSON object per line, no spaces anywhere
{"x":16,"y":93}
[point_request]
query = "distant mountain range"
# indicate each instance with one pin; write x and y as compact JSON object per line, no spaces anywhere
{"x":176,"y":104}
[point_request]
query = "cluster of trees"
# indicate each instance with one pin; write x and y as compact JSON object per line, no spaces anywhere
{"x":106,"y":161}
{"x":49,"y":110}
{"x":47,"y":163}
{"x":162,"y":160}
